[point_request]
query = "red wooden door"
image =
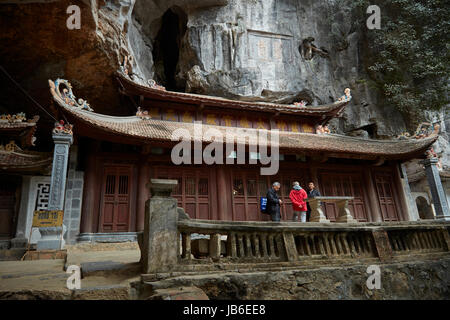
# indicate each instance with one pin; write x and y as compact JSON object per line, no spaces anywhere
{"x":193,"y":190}
{"x":7,"y":204}
{"x":116,"y":192}
{"x":247,"y":188}
{"x":386,"y":197}
{"x":195,"y":199}
{"x":344,"y":185}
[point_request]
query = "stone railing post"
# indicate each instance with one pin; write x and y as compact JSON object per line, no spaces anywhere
{"x":160,"y":248}
{"x":51,"y":236}
{"x":317,"y":214}
{"x":382,"y":244}
{"x":437,"y":192}
{"x":214,"y":246}
{"x":344,"y":213}
{"x":290,"y":247}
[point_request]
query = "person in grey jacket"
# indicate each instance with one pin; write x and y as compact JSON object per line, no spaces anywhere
{"x":274,"y":202}
{"x":312,"y":192}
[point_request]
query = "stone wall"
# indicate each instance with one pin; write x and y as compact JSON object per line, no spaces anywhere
{"x":407,"y":280}
{"x":74,"y":198}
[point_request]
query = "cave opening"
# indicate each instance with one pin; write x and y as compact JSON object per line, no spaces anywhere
{"x":167,"y":46}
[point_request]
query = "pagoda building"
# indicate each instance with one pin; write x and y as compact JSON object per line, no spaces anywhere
{"x":17,"y":164}
{"x":120,"y":154}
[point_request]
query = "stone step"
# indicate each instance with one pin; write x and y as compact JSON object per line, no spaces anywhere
{"x":11,"y":254}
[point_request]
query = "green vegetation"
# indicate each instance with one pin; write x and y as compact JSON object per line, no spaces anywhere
{"x":410,"y":54}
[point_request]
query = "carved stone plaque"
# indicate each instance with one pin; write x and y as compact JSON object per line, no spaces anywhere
{"x":266,"y":46}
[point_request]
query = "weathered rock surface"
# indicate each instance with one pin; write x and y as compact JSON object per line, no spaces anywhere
{"x":411,"y":280}
{"x":181,"y":293}
{"x":250,"y":50}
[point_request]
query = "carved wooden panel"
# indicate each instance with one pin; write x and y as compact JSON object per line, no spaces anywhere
{"x":7,"y":204}
{"x":193,"y":190}
{"x":343,"y":184}
{"x":385,"y":192}
{"x":115,"y":209}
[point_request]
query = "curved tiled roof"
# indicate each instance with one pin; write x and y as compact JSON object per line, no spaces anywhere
{"x":24,"y":160}
{"x":344,"y":146}
{"x":21,"y":130}
{"x":16,"y":125}
{"x":143,"y":131}
{"x":198,"y":99}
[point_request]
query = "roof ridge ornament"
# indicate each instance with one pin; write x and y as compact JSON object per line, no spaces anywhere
{"x":63,"y":128}
{"x":152,"y":84}
{"x":424,"y":130}
{"x":18,"y":117}
{"x":66,"y":96}
{"x":346,"y":97}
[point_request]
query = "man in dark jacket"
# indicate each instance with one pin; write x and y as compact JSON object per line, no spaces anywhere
{"x":312,"y":193}
{"x":274,"y":202}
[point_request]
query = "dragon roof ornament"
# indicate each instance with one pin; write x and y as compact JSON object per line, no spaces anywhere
{"x":66,"y":95}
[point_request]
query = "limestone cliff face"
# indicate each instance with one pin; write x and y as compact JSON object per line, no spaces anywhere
{"x":243,"y":49}
{"x":254,"y":50}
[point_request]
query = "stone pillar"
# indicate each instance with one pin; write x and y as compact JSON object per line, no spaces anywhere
{"x":437,"y":192}
{"x":51,"y":236}
{"x":317,"y":214}
{"x":21,"y":238}
{"x":344,"y":214}
{"x":160,"y":239}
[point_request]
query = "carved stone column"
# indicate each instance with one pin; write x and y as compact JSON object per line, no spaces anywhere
{"x":51,"y":236}
{"x":160,"y":246}
{"x":344,"y":213}
{"x":437,"y":192}
{"x":317,"y":214}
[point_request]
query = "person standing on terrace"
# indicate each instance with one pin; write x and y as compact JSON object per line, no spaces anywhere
{"x":274,"y":202}
{"x":312,"y":193}
{"x":298,"y":196}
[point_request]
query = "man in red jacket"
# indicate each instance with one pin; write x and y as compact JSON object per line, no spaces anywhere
{"x":298,"y":196}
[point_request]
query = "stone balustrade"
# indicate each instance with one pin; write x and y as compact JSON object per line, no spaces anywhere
{"x":344,"y":214}
{"x":167,"y":244}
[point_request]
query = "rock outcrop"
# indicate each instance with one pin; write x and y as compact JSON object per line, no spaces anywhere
{"x":280,"y":51}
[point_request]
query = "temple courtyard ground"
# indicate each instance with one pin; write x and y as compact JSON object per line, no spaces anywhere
{"x":112,"y":271}
{"x":107,"y":271}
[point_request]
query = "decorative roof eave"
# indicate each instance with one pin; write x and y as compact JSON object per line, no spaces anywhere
{"x":135,"y":130}
{"x":326,"y":111}
{"x":22,"y":129}
{"x":22,"y":161}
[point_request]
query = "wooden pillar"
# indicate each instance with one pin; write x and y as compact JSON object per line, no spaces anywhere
{"x":223,"y":211}
{"x":314,"y":177}
{"x":403,"y":206}
{"x":143,"y":194}
{"x":89,"y":193}
{"x":375,"y":209}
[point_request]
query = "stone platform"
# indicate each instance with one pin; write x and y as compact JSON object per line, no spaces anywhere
{"x":45,"y":255}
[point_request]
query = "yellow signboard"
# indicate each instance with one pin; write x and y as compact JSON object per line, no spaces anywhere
{"x":48,"y":218}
